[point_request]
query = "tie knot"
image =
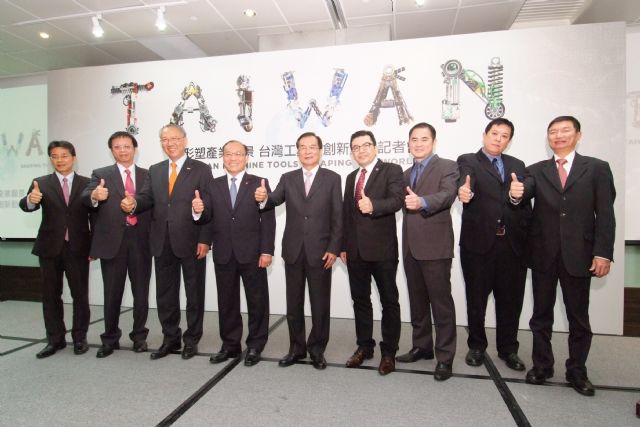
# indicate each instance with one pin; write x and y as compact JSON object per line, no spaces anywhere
{"x":234,"y":179}
{"x":173,"y":165}
{"x":363,"y":172}
{"x":65,"y":180}
{"x":308,"y":174}
{"x":561,"y":162}
{"x":127,"y":171}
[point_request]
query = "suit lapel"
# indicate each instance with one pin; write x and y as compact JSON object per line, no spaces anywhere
{"x":140,"y":177}
{"x":578,"y":168}
{"x":550,"y":171}
{"x":427,"y":170}
{"x":374,"y":175}
{"x":223,"y":189}
{"x":243,"y":188}
{"x":75,"y":188}
{"x":298,"y":182}
{"x":183,"y":175}
{"x":488,"y":166}
{"x":55,"y":185}
{"x":117,"y":179}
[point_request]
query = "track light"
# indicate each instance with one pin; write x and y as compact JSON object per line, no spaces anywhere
{"x":161,"y":24}
{"x":97,"y":30}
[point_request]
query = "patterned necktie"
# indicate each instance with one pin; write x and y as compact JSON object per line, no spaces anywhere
{"x":562,"y":171}
{"x":130,"y":189}
{"x":497,"y":165}
{"x":65,"y":193}
{"x":307,"y":182}
{"x":360,"y":186}
{"x":173,"y":176}
{"x":233,"y":191}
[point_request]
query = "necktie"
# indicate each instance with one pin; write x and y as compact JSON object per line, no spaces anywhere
{"x":497,"y":165}
{"x":172,"y":177}
{"x":418,"y":168}
{"x":65,"y":193}
{"x":130,"y":189}
{"x":360,"y":186}
{"x":233,"y":191}
{"x":562,"y":171}
{"x":307,"y":182}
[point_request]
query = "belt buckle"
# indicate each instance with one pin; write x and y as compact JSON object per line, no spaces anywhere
{"x":501,"y":231}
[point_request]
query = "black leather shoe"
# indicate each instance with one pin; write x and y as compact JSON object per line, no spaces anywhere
{"x":80,"y":347}
{"x":474,"y":357}
{"x":140,"y":346}
{"x":50,"y":350}
{"x":163,"y":351}
{"x":290,"y":359}
{"x":107,"y":350}
{"x":581,"y":384}
{"x":252,"y":357}
{"x":443,"y":371}
{"x":538,"y":376}
{"x":513,"y":361}
{"x":319,"y":362}
{"x":415,"y":354}
{"x":189,"y":351}
{"x":222,"y":356}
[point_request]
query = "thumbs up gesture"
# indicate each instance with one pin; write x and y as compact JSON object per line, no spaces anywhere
{"x":35,"y":196}
{"x":516,"y":189}
{"x":197,"y":204}
{"x":100,"y":193}
{"x":261,"y":192}
{"x":128,"y":204}
{"x":412,"y":201}
{"x":365,"y":205}
{"x":464,"y":192}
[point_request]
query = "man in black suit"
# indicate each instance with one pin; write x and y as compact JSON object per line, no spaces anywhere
{"x":311,"y":241}
{"x":242,"y":246}
{"x":571,"y":239}
{"x":62,"y":246}
{"x":427,"y":247}
{"x":492,"y":242}
{"x":177,"y":241}
{"x":121,"y":242}
{"x":373,"y":194}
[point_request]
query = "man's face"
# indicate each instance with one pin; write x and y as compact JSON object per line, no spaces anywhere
{"x":421,"y":143}
{"x":62,"y":160}
{"x":309,"y":152}
{"x":563,"y":137}
{"x":123,"y":150}
{"x":363,"y":150}
{"x":234,"y":158}
{"x":173,"y":142}
{"x":497,"y":139}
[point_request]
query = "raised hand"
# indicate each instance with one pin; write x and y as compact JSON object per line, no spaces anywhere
{"x":516,"y":190}
{"x":365,"y":205}
{"x":128,"y":204}
{"x":464,"y":192}
{"x":412,"y":201}
{"x":197,"y":204}
{"x":261,"y":192}
{"x":100,"y":193}
{"x":35,"y":196}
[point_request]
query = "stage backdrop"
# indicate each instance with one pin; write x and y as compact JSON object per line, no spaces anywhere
{"x":454,"y":82}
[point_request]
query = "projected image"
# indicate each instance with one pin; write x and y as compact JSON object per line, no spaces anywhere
{"x":130,"y":91}
{"x":301,"y":116}
{"x":207,"y":122}
{"x":389,"y":82}
{"x":245,"y":102}
{"x":490,"y":93}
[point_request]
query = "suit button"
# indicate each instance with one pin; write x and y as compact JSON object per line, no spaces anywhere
{"x":564,"y":198}
{"x":233,"y":218}
{"x":562,"y":214}
{"x":306,"y":217}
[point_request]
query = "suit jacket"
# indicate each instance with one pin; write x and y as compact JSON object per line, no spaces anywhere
{"x":314,"y":221}
{"x":58,"y":217}
{"x":109,"y":219}
{"x":373,"y":236}
{"x":577,"y":222}
{"x":173,"y":213}
{"x":490,"y":206}
{"x":429,"y":234}
{"x":243,"y":230}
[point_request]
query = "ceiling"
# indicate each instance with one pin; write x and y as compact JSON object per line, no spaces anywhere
{"x":198,"y":28}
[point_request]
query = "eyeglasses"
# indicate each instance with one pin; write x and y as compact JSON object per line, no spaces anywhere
{"x":173,"y":139}
{"x":308,"y":148}
{"x":236,"y":154}
{"x":364,"y":147}
{"x":60,"y":157}
{"x":122,"y":147}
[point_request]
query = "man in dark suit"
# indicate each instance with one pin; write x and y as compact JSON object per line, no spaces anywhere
{"x":177,"y":241}
{"x":62,"y":246}
{"x":427,"y":247}
{"x":571,"y":239}
{"x":492,"y":242}
{"x":373,"y":194}
{"x":311,"y":241}
{"x":242,"y":246}
{"x":121,"y":242}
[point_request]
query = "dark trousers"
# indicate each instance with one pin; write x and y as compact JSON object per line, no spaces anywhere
{"x":429,"y":286}
{"x":167,"y":267}
{"x":575,"y":293}
{"x":76,"y":268}
{"x":319,"y":280}
{"x":499,"y":271}
{"x":384,"y":273}
{"x":133,"y":258}
{"x":256,"y":291}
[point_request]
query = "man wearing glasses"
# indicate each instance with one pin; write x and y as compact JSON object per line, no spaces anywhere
{"x":373,"y":194}
{"x":177,"y":241}
{"x":62,"y":246}
{"x":310,"y":244}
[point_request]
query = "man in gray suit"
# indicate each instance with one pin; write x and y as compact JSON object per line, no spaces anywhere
{"x":311,"y":241}
{"x":427,"y":246}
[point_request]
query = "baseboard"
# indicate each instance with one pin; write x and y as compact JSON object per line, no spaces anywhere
{"x":631,"y":312}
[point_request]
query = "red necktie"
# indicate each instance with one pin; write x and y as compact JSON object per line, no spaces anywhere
{"x":360,"y":186}
{"x":129,"y":188}
{"x":65,"y":193}
{"x":562,"y":171}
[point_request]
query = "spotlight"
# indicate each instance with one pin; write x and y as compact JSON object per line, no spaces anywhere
{"x":249,"y":13}
{"x":43,"y":35}
{"x":161,"y":24}
{"x":97,"y":30}
{"x":420,"y":3}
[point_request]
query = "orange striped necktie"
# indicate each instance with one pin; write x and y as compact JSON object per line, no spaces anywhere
{"x":172,"y":177}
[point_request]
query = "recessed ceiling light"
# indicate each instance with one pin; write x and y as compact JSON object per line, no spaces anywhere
{"x":43,"y":35}
{"x":420,"y":3}
{"x":249,"y":13}
{"x":161,"y":24}
{"x":97,"y":29}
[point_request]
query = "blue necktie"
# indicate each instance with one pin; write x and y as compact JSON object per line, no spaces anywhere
{"x":499,"y":167}
{"x":233,"y":191}
{"x":418,"y":171}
